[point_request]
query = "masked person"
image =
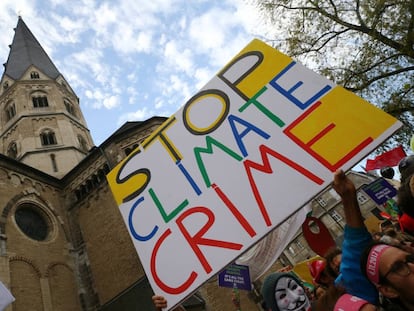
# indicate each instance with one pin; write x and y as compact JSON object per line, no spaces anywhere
{"x":284,"y":292}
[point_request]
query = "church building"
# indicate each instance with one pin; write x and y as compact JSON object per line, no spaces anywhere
{"x":63,"y":243}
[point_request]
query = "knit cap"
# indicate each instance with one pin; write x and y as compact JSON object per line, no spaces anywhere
{"x":269,"y":287}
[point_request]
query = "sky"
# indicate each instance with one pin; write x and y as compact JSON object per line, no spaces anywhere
{"x":130,"y":60}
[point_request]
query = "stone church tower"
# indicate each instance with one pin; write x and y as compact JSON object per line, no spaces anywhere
{"x":41,"y":123}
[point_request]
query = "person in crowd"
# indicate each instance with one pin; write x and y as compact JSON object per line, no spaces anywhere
{"x":352,"y":291}
{"x":405,"y":195}
{"x":283,"y":291}
{"x":333,"y":259}
{"x":392,"y":237}
{"x":336,"y":299}
{"x":318,"y":292}
{"x":406,"y":167}
{"x":377,"y":235}
{"x":350,"y":280}
{"x":319,"y":273}
{"x":406,"y":221}
{"x":391,"y":269}
{"x":161,"y":303}
{"x":352,"y":303}
{"x":356,"y":239}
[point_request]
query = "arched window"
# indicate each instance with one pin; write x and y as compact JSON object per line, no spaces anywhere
{"x":89,"y":186}
{"x":130,"y":149}
{"x":106,"y":168}
{"x":95,"y":180}
{"x":6,"y":85}
{"x":10,"y":111}
{"x":39,"y":100}
{"x":48,"y":137}
{"x":34,"y":75}
{"x":69,"y":108}
{"x":101,"y":175}
{"x":12,"y":150}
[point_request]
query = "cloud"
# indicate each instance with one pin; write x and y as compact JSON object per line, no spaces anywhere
{"x":138,"y":115}
{"x":9,"y":11}
{"x":177,"y":58}
{"x":101,"y":99}
{"x":140,"y":57}
{"x":202,"y":76}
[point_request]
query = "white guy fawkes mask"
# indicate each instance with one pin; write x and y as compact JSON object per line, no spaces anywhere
{"x":291,"y":296}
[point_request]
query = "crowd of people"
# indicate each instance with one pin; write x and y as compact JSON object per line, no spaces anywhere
{"x":371,"y":271}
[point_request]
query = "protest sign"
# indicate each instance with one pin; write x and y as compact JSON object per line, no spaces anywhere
{"x":235,"y":276}
{"x":380,"y":191}
{"x":253,"y":146}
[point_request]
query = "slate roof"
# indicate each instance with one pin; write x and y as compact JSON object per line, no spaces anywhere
{"x":25,"y":51}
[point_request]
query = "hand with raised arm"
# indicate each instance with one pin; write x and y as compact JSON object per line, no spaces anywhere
{"x":347,"y":191}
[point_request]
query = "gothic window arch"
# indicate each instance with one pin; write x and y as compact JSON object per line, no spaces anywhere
{"x":6,"y":85}
{"x":34,"y":75}
{"x":130,"y":149}
{"x":89,"y":186}
{"x":39,"y":100}
{"x":12,"y":150}
{"x":69,"y":107}
{"x":48,"y":137}
{"x":10,"y":110}
{"x":106,"y":168}
{"x":101,"y":175}
{"x":95,"y":180}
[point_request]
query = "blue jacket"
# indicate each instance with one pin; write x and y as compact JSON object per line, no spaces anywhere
{"x":351,"y":277}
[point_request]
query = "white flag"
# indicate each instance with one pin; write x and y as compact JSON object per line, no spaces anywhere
{"x":6,"y":297}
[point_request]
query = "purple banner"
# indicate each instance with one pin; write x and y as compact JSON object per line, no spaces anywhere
{"x":380,"y":191}
{"x":235,"y":276}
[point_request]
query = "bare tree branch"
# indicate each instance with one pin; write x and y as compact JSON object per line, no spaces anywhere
{"x":383,"y":76}
{"x":367,"y":46}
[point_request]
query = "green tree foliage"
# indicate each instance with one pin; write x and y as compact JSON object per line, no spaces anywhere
{"x":364,"y":45}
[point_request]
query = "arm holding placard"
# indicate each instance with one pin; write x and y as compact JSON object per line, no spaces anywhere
{"x":356,"y":238}
{"x":346,"y":190}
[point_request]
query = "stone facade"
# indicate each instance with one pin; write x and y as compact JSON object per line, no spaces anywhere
{"x":32,"y":265}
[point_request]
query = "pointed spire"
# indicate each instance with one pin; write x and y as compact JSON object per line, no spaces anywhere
{"x":25,"y":51}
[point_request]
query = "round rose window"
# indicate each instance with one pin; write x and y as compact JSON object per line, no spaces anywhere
{"x":32,"y":221}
